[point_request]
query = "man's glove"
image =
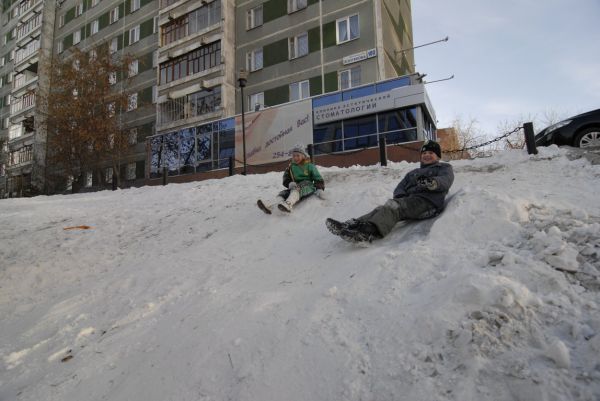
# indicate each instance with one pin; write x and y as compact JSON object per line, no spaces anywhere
{"x":427,"y":183}
{"x":292,"y":185}
{"x":320,"y":193}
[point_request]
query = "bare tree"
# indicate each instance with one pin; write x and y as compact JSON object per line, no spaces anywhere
{"x":83,"y":110}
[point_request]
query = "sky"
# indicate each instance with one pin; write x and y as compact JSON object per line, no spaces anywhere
{"x":188,"y":292}
{"x":510,"y":59}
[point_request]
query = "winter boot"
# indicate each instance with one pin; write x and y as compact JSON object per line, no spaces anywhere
{"x":286,"y":206}
{"x":363,"y":233}
{"x":335,"y":227}
{"x":266,"y":206}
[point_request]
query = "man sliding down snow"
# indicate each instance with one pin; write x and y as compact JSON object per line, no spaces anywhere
{"x":420,"y":195}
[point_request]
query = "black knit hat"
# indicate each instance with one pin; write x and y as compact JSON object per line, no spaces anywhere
{"x":432,"y":146}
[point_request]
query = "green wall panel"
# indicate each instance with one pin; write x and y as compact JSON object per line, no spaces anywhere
{"x":273,"y":9}
{"x":329,"y":34}
{"x":275,"y":53}
{"x":278,"y":95}
{"x":331,"y":82}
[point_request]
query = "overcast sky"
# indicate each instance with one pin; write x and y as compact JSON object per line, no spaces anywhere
{"x":509,"y":58}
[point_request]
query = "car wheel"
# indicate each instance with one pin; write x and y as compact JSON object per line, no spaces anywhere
{"x":588,"y":138}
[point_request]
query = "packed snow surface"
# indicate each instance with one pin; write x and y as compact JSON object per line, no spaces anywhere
{"x":190,"y":293}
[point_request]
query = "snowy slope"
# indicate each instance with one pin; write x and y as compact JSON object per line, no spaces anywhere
{"x":189,"y":292}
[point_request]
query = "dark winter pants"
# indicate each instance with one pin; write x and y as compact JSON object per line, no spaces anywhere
{"x":386,"y":216}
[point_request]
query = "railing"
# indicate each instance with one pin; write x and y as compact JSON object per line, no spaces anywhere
{"x":28,"y":26}
{"x":22,"y":103}
{"x":27,"y":51}
{"x":193,"y":105}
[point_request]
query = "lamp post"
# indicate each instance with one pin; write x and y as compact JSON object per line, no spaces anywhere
{"x":242,"y":78}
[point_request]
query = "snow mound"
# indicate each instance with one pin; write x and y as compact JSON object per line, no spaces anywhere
{"x":190,"y":292}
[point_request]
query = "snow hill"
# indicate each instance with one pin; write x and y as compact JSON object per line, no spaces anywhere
{"x":190,"y":293}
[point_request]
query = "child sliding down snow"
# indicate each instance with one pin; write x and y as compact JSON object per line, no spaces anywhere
{"x":301,"y":178}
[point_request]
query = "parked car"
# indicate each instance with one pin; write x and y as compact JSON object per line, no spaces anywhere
{"x":581,"y":131}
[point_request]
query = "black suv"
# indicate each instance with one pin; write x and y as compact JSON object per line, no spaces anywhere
{"x":582,"y":131}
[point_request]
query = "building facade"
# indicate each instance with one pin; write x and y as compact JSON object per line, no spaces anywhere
{"x":189,"y":57}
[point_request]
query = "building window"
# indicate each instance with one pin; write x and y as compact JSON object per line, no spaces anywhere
{"x":135,"y":5}
{"x":295,"y":5}
{"x":60,"y":47}
{"x":108,"y":175}
{"x":154,"y":93}
{"x":133,"y":133}
{"x":132,"y":103}
{"x":174,"y":30}
{"x":133,"y":68}
{"x":76,"y":37}
{"x":78,"y":9}
{"x":191,"y":23}
{"x":155,"y":24}
{"x":112,"y":77}
{"x":347,"y":29}
{"x":254,"y":17}
{"x":254,"y":60}
{"x":95,"y":3}
{"x":93,"y":54}
{"x":193,"y":105}
{"x":298,"y":46}
{"x":201,"y":59}
{"x":114,"y":45}
{"x":131,"y":171}
{"x":61,"y":21}
{"x":256,"y":101}
{"x":134,"y":34}
{"x":299,"y":90}
{"x":95,"y":26}
{"x":349,"y":78}
{"x":114,"y":15}
{"x":111,"y":109}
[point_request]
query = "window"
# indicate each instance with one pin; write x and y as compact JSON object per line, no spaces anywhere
{"x":133,"y":136}
{"x":108,"y":175}
{"x":347,"y":29}
{"x":95,"y":26}
{"x":132,"y":102}
{"x":155,"y":24}
{"x":154,"y":93}
{"x":154,"y":58}
{"x":133,"y":68}
{"x":349,"y":78}
{"x":95,"y":3}
{"x":256,"y":102}
{"x":78,"y":9}
{"x":299,"y":90}
{"x":93,"y":55}
{"x":201,"y":59}
{"x":114,"y":15}
{"x":254,"y":17}
{"x":112,"y":77}
{"x":76,"y":37}
{"x":254,"y":60}
{"x":61,"y":21}
{"x":131,"y":171}
{"x":111,"y":109}
{"x":114,"y":45}
{"x":135,"y":5}
{"x":134,"y":34}
{"x":60,"y":47}
{"x":295,"y":5}
{"x":298,"y":46}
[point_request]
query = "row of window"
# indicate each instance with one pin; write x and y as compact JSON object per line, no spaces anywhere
{"x":133,"y":35}
{"x":347,"y":29}
{"x":203,"y":148}
{"x":209,"y":146}
{"x":193,"y":105}
{"x":201,"y":59}
{"x":347,"y":79}
{"x":254,"y":16}
{"x":23,"y":155}
{"x":191,"y":23}
{"x":114,"y":14}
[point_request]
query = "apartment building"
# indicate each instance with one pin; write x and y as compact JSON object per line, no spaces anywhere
{"x":33,"y":31}
{"x":285,"y":50}
{"x":127,"y":27}
{"x":27,"y":40}
{"x":294,"y":49}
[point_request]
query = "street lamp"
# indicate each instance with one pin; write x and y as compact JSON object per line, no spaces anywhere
{"x":242,"y":78}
